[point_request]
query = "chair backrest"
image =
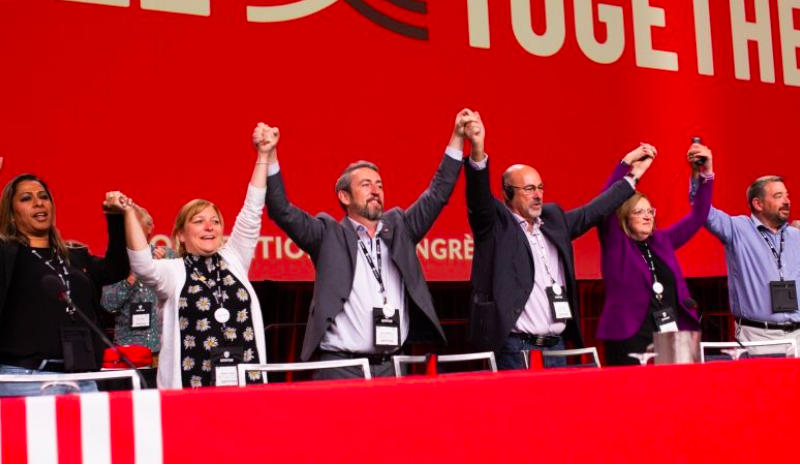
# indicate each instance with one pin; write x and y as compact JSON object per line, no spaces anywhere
{"x":526,"y":355}
{"x":265,"y":369}
{"x":49,"y":380}
{"x":789,"y":343}
{"x":401,"y":359}
{"x":487,"y":356}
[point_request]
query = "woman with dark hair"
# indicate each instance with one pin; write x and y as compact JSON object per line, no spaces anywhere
{"x":645,"y":288}
{"x":39,"y":333}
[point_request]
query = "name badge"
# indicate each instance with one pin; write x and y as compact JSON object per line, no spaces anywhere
{"x":223,"y":364}
{"x":387,"y":329}
{"x":666,"y":320}
{"x":783,"y":295}
{"x":559,"y":305}
{"x":141,"y":314}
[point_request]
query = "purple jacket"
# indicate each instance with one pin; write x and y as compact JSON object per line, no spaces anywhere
{"x":627,"y":278}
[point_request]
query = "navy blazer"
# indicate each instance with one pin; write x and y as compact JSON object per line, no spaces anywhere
{"x":502,"y":268}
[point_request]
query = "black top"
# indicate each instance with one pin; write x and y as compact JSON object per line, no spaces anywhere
{"x":666,"y":278}
{"x":32,"y":319}
{"x":210,"y":286}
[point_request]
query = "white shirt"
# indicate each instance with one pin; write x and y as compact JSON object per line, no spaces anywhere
{"x":537,"y":318}
{"x":353,"y":329}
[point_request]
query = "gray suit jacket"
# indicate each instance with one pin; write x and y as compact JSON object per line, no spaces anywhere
{"x":333,"y":246}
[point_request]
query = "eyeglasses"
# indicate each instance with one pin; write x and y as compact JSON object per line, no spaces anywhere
{"x":641,"y":212}
{"x":529,"y":189}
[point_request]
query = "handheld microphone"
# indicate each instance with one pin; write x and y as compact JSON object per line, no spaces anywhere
{"x":55,"y":288}
{"x":700,"y":160}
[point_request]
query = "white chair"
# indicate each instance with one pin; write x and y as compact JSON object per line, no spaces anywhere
{"x":790,"y":346}
{"x":51,"y":380}
{"x":265,"y":369}
{"x":526,"y":355}
{"x":488,"y":356}
{"x":398,"y":360}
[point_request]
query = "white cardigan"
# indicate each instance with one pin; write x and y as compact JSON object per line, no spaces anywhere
{"x":168,"y":276}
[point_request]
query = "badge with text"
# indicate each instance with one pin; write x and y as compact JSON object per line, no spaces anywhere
{"x":141,"y":315}
{"x":387,"y":327}
{"x":223,"y":365}
{"x":666,"y":320}
{"x":783,"y":295}
{"x":559,"y":305}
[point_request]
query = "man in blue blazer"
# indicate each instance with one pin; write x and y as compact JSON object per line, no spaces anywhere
{"x":523,"y":273}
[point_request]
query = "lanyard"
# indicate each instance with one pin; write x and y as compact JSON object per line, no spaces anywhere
{"x":376,"y":271}
{"x":542,"y":255}
{"x":658,"y":288}
{"x":214,"y":286}
{"x":63,"y":275}
{"x":774,"y":252}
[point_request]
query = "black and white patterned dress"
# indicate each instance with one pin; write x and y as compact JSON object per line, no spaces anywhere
{"x":209,"y":286}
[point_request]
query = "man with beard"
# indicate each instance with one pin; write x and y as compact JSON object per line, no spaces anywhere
{"x":370,"y":296}
{"x":523,"y":272}
{"x":763,"y":258}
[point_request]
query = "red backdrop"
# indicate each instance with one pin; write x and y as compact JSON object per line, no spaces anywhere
{"x":161,"y":105}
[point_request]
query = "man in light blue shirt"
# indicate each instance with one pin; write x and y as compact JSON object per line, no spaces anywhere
{"x":761,"y":249}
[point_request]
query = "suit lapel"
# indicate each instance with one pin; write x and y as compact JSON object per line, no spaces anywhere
{"x":351,"y":238}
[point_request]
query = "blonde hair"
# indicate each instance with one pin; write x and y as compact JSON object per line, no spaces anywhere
{"x":189,"y":210}
{"x":624,"y":211}
{"x":8,"y":228}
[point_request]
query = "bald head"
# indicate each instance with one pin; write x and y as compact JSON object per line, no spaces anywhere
{"x":523,"y":190}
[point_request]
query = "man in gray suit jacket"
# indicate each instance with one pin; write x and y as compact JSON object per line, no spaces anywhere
{"x":370,"y":295}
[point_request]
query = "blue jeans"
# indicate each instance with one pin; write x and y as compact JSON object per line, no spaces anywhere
{"x":9,"y":389}
{"x":510,"y":357}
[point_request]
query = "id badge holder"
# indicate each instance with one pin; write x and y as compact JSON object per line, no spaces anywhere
{"x":559,"y":305}
{"x":223,"y":366}
{"x":783,"y":295}
{"x":78,"y":349}
{"x":386,"y":326}
{"x":666,"y":320}
{"x":141,"y":315}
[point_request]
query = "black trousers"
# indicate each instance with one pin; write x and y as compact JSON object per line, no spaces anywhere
{"x":617,"y":350}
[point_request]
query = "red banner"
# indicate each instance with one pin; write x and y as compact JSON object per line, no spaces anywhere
{"x":158,"y":98}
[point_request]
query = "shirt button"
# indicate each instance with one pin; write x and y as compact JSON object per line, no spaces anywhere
{"x":518,"y":311}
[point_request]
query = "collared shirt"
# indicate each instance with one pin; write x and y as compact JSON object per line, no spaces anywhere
{"x":537,"y":319}
{"x":751,"y":264}
{"x":117,"y":299}
{"x":353,"y":329}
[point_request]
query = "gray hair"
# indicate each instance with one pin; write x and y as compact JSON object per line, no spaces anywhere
{"x":343,"y":183}
{"x":757,"y":188}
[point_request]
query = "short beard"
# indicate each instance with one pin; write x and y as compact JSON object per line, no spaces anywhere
{"x":373,"y":215}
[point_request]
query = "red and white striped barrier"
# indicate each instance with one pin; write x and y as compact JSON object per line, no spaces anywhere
{"x":87,"y":428}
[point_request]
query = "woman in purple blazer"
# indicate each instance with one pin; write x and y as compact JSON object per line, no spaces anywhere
{"x":645,"y":288}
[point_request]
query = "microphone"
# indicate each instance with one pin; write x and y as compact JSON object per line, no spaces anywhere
{"x":690,"y":303}
{"x":56,"y":289}
{"x":700,"y":160}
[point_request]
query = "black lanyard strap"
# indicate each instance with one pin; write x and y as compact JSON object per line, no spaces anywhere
{"x":63,"y":275}
{"x":216,"y":289}
{"x":651,"y":264}
{"x":777,"y":255}
{"x":376,"y":271}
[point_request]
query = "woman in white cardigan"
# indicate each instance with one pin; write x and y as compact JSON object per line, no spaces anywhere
{"x":211,"y":314}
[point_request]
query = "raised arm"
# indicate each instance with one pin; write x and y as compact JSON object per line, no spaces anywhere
{"x":582,"y":219}
{"x":305,"y":230}
{"x":684,"y":229}
{"x":480,"y":201}
{"x":247,"y":228}
{"x":421,"y":215}
{"x":114,"y":266}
